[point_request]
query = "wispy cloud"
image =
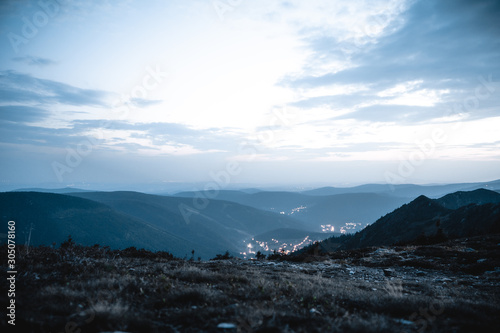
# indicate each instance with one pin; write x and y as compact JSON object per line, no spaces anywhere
{"x":23,"y":88}
{"x":35,"y":61}
{"x":162,"y":138}
{"x":142,"y":102}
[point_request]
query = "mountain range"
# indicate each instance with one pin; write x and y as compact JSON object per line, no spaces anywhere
{"x":47,"y":218}
{"x":315,"y":210}
{"x":456,"y":215}
{"x":243,"y":222}
{"x":122,"y":219}
{"x":411,"y":191}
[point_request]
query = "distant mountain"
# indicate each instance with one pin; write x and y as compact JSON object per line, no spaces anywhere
{"x":337,"y":210}
{"x":492,"y":186}
{"x":228,"y":195}
{"x":428,"y":217}
{"x":215,"y":224}
{"x":368,"y":188}
{"x":64,"y":190}
{"x":313,"y":211}
{"x":190,"y":221}
{"x":463,"y":198}
{"x":265,"y":200}
{"x":406,"y":190}
{"x":123,"y":219}
{"x":53,"y":217}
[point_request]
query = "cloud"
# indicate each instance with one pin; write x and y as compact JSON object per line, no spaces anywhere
{"x":142,"y":102}
{"x":166,"y":134}
{"x":20,"y":133}
{"x":162,"y":138}
{"x":35,"y":61}
{"x":394,"y":113}
{"x":427,"y":63}
{"x":445,"y":39}
{"x":22,"y":114}
{"x":334,"y":101}
{"x":23,"y":88}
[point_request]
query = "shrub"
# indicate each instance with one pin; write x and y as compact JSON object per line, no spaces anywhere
{"x":225,"y":256}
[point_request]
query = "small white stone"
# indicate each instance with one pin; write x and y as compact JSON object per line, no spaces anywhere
{"x":406,"y":322}
{"x":226,"y":325}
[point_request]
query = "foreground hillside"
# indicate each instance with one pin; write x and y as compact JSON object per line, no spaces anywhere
{"x":451,"y":287}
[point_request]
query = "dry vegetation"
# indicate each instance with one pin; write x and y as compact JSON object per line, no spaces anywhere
{"x":402,"y":289}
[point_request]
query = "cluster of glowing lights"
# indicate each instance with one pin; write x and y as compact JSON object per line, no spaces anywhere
{"x":349,"y":227}
{"x":327,"y":228}
{"x":298,"y":209}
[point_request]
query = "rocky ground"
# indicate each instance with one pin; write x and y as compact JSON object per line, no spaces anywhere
{"x":452,"y":287}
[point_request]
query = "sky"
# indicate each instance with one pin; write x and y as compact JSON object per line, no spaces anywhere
{"x":227,"y":92}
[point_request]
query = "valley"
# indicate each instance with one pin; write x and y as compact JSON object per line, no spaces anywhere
{"x":243,"y":222}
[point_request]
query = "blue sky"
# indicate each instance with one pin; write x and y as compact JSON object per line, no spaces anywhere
{"x":263,"y":92}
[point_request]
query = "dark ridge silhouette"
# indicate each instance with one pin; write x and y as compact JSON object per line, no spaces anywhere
{"x":462,"y":198}
{"x":424,"y":217}
{"x":52,"y":217}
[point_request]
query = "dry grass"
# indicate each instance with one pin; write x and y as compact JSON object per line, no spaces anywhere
{"x":97,"y":290}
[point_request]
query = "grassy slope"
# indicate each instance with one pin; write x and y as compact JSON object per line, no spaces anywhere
{"x":97,"y":290}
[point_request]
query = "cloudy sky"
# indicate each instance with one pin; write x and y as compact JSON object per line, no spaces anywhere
{"x":249,"y":92}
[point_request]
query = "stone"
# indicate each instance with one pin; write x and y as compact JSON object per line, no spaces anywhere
{"x":229,"y":326}
{"x":389,"y":272}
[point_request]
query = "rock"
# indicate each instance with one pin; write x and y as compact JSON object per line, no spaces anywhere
{"x":389,"y":272}
{"x":495,"y":272}
{"x":405,"y":322}
{"x":481,"y":260}
{"x":444,"y":280}
{"x":383,"y":251}
{"x":228,"y":326}
{"x":420,"y":273}
{"x":314,"y":311}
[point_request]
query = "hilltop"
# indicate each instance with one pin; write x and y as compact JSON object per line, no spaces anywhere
{"x":460,"y":214}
